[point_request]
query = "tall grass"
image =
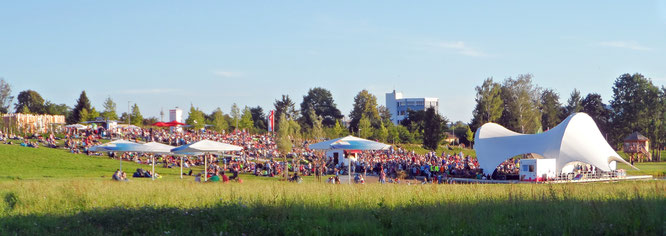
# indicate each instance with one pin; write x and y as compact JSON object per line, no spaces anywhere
{"x":261,"y":207}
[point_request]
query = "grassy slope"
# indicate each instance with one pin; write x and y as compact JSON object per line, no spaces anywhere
{"x":37,"y":163}
{"x":92,"y":205}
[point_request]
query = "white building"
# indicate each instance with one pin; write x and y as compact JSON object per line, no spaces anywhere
{"x":176,"y":115}
{"x":537,"y":169}
{"x":398,"y":106}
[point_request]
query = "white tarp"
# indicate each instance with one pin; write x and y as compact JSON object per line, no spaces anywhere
{"x":155,"y":147}
{"x":576,"y":139}
{"x":349,"y":143}
{"x":119,"y":145}
{"x":206,"y":146}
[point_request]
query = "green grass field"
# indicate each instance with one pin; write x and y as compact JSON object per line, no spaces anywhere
{"x":46,"y":191}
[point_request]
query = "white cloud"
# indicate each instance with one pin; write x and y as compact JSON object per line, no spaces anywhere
{"x":227,"y":74}
{"x":632,"y":45}
{"x":460,"y":47}
{"x":149,"y":91}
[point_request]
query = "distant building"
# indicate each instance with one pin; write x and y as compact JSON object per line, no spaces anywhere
{"x":176,"y":115}
{"x":31,"y":123}
{"x":398,"y":106}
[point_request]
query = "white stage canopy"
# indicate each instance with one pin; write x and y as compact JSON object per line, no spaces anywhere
{"x":576,"y":139}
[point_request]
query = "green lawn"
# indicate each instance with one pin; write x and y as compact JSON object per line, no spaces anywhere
{"x":47,"y":191}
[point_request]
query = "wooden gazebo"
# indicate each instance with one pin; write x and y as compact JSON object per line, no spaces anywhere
{"x":637,"y":147}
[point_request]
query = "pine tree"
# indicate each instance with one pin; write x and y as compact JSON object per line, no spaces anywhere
{"x":235,"y":116}
{"x":365,"y":128}
{"x":246,"y":121}
{"x":195,"y":118}
{"x":81,"y":103}
{"x":137,"y":118}
{"x":110,"y":109}
{"x":219,"y":123}
{"x":84,"y":115}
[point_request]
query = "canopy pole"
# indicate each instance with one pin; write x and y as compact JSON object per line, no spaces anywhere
{"x":153,"y":175}
{"x":205,"y":167}
{"x":349,"y":169}
{"x":120,"y":158}
{"x":181,"y":167}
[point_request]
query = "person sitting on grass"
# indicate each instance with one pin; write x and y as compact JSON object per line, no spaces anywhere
{"x":225,"y":178}
{"x":116,"y":175}
{"x":214,"y":178}
{"x":197,"y":178}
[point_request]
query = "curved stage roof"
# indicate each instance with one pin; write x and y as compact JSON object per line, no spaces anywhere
{"x":576,"y":139}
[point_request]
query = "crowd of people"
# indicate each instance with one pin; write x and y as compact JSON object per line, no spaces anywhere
{"x":260,"y":156}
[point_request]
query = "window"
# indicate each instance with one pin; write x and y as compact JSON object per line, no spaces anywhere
{"x":531,"y":168}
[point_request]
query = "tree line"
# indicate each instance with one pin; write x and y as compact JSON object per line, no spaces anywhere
{"x":522,"y":106}
{"x":516,"y":103}
{"x":317,"y":118}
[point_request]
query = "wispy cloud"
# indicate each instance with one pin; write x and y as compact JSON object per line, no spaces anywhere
{"x":228,"y":74}
{"x":632,"y":45}
{"x":459,"y":47}
{"x":149,"y":91}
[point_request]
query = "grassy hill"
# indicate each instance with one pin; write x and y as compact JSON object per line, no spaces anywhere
{"x":44,"y":163}
{"x":50,"y":191}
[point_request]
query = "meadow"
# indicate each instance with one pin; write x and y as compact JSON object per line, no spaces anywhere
{"x":46,"y":191}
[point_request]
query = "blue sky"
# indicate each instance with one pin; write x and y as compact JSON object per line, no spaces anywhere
{"x":162,"y":54}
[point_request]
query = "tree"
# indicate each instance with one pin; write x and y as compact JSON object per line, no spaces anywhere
{"x":5,"y":96}
{"x":521,"y":105}
{"x":235,"y":116}
{"x":31,"y":100}
{"x":109,"y":109}
{"x":316,"y":130}
{"x":415,"y":121}
{"x":246,"y":122}
{"x":321,"y":101}
{"x":550,"y":109}
{"x":393,"y":134}
{"x":259,"y":118}
{"x":636,"y":107}
{"x":404,"y":134}
{"x":384,"y":114}
{"x":195,"y":118}
{"x":365,"y":104}
{"x":434,"y":130}
{"x":338,"y":129}
{"x":92,"y":115}
{"x":219,"y":123}
{"x":55,"y":109}
{"x":489,"y":103}
{"x":84,"y":115}
{"x":381,"y":133}
{"x":137,"y":118}
{"x":81,"y":103}
{"x":469,"y":136}
{"x":294,"y":129}
{"x":150,"y":121}
{"x":25,"y":110}
{"x":573,"y":104}
{"x":594,"y":106}
{"x":364,"y":127}
{"x":286,"y":106}
{"x":284,"y":144}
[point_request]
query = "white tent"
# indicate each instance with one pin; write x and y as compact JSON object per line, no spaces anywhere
{"x":576,"y":139}
{"x":349,"y":143}
{"x":119,"y":145}
{"x":205,"y":146}
{"x":76,"y":126}
{"x":158,"y":148}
